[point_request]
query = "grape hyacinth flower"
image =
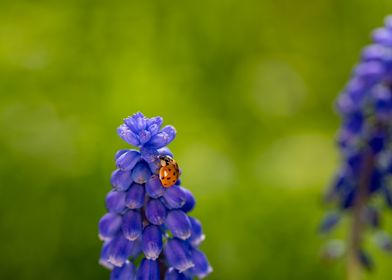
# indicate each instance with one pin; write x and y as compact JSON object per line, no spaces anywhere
{"x":363,"y":181}
{"x":147,"y":232}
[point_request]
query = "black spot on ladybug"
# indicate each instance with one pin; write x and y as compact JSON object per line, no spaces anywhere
{"x":174,"y":173}
{"x":174,"y":181}
{"x":169,"y":169}
{"x":168,"y":178}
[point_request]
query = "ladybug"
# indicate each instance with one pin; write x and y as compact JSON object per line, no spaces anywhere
{"x":169,"y":171}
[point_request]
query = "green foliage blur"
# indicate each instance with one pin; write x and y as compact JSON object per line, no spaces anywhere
{"x":249,"y":85}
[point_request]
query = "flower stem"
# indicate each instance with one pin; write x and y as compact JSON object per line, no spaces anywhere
{"x":354,"y":269}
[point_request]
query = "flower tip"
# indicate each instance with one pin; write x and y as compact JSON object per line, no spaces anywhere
{"x":201,"y":265}
{"x":198,"y":240}
{"x":138,"y":114}
{"x":105,"y":264}
{"x":103,"y":238}
{"x":152,"y":242}
{"x":178,"y":254}
{"x":208,"y":271}
{"x":179,"y":224}
{"x":184,"y":235}
{"x":186,"y":266}
{"x":116,"y":262}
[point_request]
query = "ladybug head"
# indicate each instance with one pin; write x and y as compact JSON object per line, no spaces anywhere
{"x":165,"y":158}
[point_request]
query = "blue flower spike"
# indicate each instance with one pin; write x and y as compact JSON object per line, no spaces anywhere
{"x":365,"y":141}
{"x":147,"y":232}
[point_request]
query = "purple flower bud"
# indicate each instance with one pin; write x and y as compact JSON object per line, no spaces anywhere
{"x":141,"y":173}
{"x":164,"y":137}
{"x":140,"y":122}
{"x":121,"y":180}
{"x":152,"y":242}
{"x":345,"y":138}
{"x":150,"y":155}
{"x":197,"y":235}
{"x":174,"y":197}
{"x":154,"y":124}
{"x":348,"y":198}
{"x":109,"y":225}
{"x":329,"y":222}
{"x":370,"y":72}
{"x":377,"y":142}
{"x":189,"y":202}
{"x":373,"y":52}
{"x":135,"y":196}
{"x":354,"y":123}
{"x":132,"y":225}
{"x":120,"y":153}
{"x":126,"y":272}
{"x":136,"y":123}
{"x":148,"y":270}
{"x":336,"y":186}
{"x":178,"y":254}
{"x":104,"y":258}
{"x":354,"y":162}
{"x":376,"y":181}
{"x":128,"y":160}
{"x":174,"y":274}
{"x":179,"y":224}
{"x":201,"y":266}
{"x":119,"y":250}
{"x":383,"y":102}
{"x":127,"y":135}
{"x":115,"y":201}
{"x":155,"y":212}
{"x":154,"y":187}
{"x":365,"y":260}
{"x":383,"y":37}
{"x":355,"y":90}
{"x":144,"y":136}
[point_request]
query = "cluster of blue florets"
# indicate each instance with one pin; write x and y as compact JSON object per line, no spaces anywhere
{"x":147,"y":233}
{"x":365,"y":136}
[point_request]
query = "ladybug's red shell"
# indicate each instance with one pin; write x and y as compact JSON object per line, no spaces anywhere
{"x":169,"y":171}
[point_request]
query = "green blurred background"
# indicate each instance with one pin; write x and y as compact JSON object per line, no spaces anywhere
{"x":249,"y":85}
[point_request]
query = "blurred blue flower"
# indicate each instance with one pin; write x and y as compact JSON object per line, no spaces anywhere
{"x":144,"y":218}
{"x":365,"y":141}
